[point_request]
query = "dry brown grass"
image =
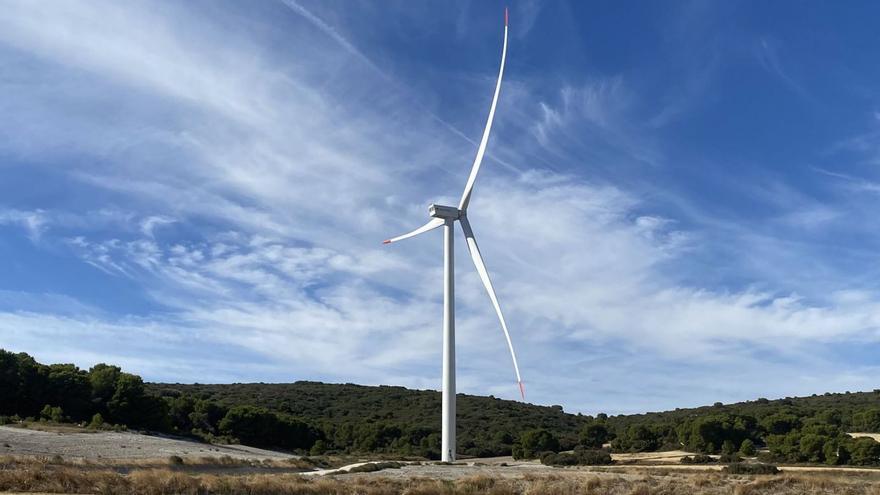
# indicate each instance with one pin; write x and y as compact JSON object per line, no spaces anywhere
{"x":46,"y":476}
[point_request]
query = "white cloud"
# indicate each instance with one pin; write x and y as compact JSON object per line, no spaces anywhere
{"x":33,"y":222}
{"x":287,"y":171}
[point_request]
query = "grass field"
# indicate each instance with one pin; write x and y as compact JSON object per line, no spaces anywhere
{"x":18,"y":475}
{"x":97,"y":463}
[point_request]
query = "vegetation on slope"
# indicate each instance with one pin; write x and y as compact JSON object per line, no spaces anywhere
{"x":808,"y":429}
{"x":357,"y":418}
{"x":326,"y":418}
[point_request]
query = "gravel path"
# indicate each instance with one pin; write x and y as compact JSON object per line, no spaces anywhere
{"x":118,"y":445}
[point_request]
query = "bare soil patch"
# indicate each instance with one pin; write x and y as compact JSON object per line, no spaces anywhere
{"x":83,"y":444}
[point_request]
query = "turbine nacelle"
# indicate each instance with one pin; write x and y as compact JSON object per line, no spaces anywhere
{"x":444,"y":212}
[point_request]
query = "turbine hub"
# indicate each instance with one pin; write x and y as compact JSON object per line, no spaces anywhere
{"x":445,"y":212}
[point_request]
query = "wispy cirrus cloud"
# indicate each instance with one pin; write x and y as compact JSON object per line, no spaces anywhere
{"x":244,"y":189}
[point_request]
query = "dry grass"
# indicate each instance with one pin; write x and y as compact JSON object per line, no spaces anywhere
{"x":52,"y":477}
{"x":51,"y":427}
{"x":225,"y":461}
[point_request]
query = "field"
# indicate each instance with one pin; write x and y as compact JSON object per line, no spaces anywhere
{"x":72,"y":442}
{"x":47,"y":477}
{"x":121,"y":462}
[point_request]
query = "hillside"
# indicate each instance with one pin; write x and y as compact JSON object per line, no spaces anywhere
{"x":486,"y":425}
{"x":327,"y":418}
{"x":795,"y":429}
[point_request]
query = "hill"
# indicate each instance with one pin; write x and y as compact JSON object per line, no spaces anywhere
{"x":345,"y":418}
{"x":486,"y":425}
{"x":794,"y":429}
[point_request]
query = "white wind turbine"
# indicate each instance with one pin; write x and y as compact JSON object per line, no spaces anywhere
{"x":446,"y":216}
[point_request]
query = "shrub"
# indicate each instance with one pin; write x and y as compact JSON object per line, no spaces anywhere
{"x":697,"y":459}
{"x":517,"y":452}
{"x":262,"y":428}
{"x":727,"y":447}
{"x":50,"y":413}
{"x":175,"y":460}
{"x":744,"y":468}
{"x":319,"y":448}
{"x":580,"y":457}
{"x":729,"y":458}
{"x":594,"y":435}
{"x":561,"y":459}
{"x":533,"y":442}
{"x":865,"y":452}
{"x":593,"y":457}
{"x":97,"y":421}
{"x":747,"y":448}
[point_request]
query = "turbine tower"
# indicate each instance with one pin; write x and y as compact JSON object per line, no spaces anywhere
{"x":446,"y":216}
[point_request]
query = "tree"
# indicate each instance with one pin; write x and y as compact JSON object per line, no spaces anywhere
{"x":319,"y":448}
{"x":534,"y":442}
{"x":747,"y":448}
{"x":594,"y":435}
{"x":206,"y":416}
{"x":32,"y":391}
{"x":103,"y":379}
{"x":54,"y":414}
{"x":830,"y":452}
{"x":180,"y":411}
{"x":865,"y":452}
{"x":812,"y":448}
{"x":262,"y":428}
{"x":131,"y":406}
{"x":727,"y":447}
{"x":97,"y":421}
{"x":867,"y":420}
{"x":780,"y":423}
{"x":9,"y":379}
{"x":69,"y":387}
{"x":706,"y":434}
{"x":124,"y":404}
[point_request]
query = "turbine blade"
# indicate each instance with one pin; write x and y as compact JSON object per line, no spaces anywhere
{"x":433,"y":224}
{"x":475,"y":168}
{"x":487,"y":283}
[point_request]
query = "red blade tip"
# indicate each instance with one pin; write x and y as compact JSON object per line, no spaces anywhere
{"x":386,"y":241}
{"x":505,"y":16}
{"x":522,"y":390}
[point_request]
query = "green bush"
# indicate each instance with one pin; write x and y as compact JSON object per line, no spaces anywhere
{"x":747,"y":448}
{"x":580,"y":457}
{"x":594,"y":435}
{"x":727,"y":447}
{"x":697,"y":459}
{"x":534,"y":442}
{"x":97,"y":421}
{"x":319,"y":448}
{"x":561,"y":459}
{"x":865,"y":452}
{"x":746,"y":468}
{"x":50,"y":413}
{"x":639,"y":438}
{"x":262,"y":428}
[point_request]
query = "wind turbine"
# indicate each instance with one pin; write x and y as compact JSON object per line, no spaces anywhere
{"x":446,"y":217}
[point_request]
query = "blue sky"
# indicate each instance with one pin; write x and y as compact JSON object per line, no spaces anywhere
{"x":677,"y":205}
